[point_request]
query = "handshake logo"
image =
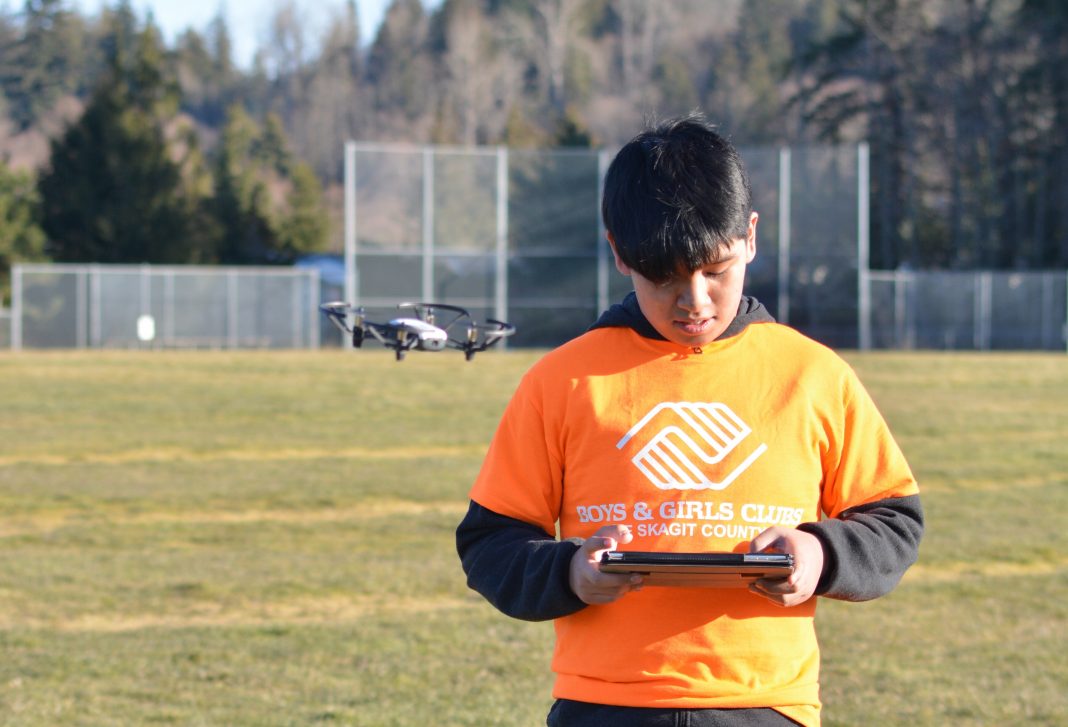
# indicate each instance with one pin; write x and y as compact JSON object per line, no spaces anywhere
{"x":688,"y":440}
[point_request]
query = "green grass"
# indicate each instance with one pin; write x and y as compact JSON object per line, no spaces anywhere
{"x":267,"y":539}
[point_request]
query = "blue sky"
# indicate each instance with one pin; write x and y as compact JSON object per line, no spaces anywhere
{"x":248,"y":19}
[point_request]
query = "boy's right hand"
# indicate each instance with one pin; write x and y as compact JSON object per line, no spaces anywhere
{"x":586,"y":579}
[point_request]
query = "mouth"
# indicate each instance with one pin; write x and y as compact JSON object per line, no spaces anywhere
{"x":694,"y":328}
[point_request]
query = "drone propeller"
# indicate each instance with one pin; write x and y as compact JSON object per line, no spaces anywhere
{"x":481,"y":336}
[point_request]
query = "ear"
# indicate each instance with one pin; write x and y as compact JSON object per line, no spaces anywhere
{"x":620,"y":265}
{"x":750,"y":238}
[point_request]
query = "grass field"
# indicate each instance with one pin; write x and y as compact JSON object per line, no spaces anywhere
{"x":267,"y":539}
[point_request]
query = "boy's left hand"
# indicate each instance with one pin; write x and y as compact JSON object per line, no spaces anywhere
{"x":808,"y":565}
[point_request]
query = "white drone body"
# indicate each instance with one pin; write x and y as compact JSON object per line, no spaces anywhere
{"x":421,"y":333}
{"x":428,"y":336}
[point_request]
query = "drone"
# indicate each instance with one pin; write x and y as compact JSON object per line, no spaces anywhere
{"x":420,"y":332}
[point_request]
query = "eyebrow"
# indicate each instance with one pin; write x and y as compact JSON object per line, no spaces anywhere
{"x":729,"y":257}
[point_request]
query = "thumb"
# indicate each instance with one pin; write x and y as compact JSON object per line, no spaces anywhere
{"x":607,"y":538}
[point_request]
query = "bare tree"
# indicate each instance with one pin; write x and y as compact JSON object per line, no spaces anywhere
{"x":335,"y":110}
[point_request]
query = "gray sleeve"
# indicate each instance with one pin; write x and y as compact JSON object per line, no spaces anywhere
{"x":868,"y":548}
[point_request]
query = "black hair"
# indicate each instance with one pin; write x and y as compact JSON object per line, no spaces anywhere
{"x":674,"y":197}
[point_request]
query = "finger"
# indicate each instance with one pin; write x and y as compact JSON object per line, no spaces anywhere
{"x":607,"y":538}
{"x":770,"y":538}
{"x":776,"y":586}
{"x":776,"y":598}
{"x":608,"y":593}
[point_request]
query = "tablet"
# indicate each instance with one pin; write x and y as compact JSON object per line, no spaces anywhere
{"x":715,"y":570}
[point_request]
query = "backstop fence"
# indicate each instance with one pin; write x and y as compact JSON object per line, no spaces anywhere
{"x":517,"y":235}
{"x":146,"y":306}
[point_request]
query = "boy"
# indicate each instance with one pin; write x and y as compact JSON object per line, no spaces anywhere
{"x":686,"y":419}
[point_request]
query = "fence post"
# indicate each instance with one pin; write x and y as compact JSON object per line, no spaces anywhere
{"x":168,"y":308}
{"x":16,"y":307}
{"x":784,"y":235}
{"x":352,"y":292}
{"x":96,"y":324}
{"x":863,"y":243}
{"x":604,"y":261}
{"x":428,"y":224}
{"x":983,"y":294}
{"x":315,"y":286}
{"x":231,"y":309}
{"x":500,"y":301}
{"x":903,"y":333}
{"x":81,"y":306}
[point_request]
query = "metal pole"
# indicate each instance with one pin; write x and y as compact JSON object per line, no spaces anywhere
{"x":984,"y":293}
{"x":168,"y":308}
{"x":501,"y":283}
{"x":784,"y":235}
{"x":428,"y":224}
{"x":296,"y":327}
{"x":604,"y":257}
{"x":351,"y":288}
{"x":81,"y":305}
{"x":315,"y":293}
{"x":16,"y":307}
{"x":231,"y":309}
{"x":95,"y":322}
{"x":863,"y":245}
{"x":902,"y":335}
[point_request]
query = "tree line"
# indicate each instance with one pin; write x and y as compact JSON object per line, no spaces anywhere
{"x":176,"y":154}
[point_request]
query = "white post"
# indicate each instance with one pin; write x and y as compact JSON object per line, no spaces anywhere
{"x":16,"y":307}
{"x":231,"y":309}
{"x":428,"y":225}
{"x":863,"y":246}
{"x":297,"y":338}
{"x":983,"y":294}
{"x":95,"y":323}
{"x":903,"y":334}
{"x":168,"y":308}
{"x":784,"y":235}
{"x":604,"y":258}
{"x":351,"y":290}
{"x":81,"y":306}
{"x":500,"y":303}
{"x":315,"y":294}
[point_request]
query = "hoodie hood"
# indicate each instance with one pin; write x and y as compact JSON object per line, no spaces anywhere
{"x":628,"y":315}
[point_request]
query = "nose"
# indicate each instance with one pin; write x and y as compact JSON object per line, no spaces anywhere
{"x":694,"y":297}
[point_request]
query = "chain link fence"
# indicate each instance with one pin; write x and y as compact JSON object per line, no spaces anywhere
{"x":517,"y":235}
{"x":972,"y":310}
{"x":119,"y":306}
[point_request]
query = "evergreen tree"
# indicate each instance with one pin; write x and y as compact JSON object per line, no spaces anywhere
{"x":112,"y":192}
{"x":303,"y":227}
{"x":268,"y":207}
{"x":43,"y":62}
{"x":21,"y":237}
{"x":397,"y":65}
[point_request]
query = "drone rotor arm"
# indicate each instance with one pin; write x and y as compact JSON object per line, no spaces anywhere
{"x":337,"y":313}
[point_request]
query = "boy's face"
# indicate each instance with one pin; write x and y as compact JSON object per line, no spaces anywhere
{"x":695,"y":307}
